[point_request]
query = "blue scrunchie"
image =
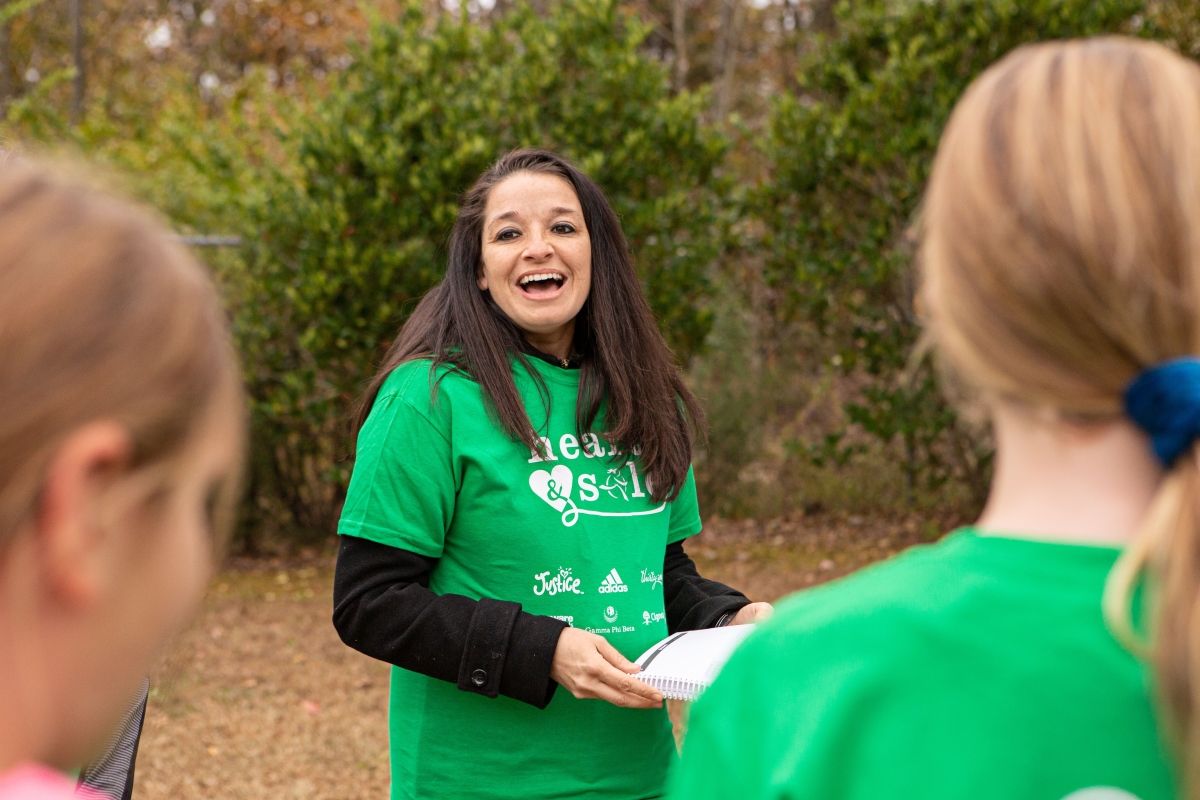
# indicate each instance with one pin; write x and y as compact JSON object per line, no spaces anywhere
{"x":1164,"y":401}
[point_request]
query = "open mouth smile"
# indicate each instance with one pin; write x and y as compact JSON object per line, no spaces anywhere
{"x":542,"y":285}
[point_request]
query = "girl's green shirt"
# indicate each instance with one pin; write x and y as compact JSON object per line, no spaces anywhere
{"x":979,"y":667}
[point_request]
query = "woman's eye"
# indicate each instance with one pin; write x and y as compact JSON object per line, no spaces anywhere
{"x":507,"y":234}
{"x":563,"y":227}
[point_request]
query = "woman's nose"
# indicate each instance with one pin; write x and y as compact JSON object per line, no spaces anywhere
{"x":538,"y":248}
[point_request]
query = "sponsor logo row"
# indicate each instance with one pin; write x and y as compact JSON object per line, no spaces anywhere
{"x":563,"y":582}
{"x":611,"y":615}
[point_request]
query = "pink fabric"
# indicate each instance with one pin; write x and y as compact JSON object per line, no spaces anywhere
{"x":35,"y":782}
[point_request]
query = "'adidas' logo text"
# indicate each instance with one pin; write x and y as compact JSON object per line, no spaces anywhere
{"x":612,"y":583}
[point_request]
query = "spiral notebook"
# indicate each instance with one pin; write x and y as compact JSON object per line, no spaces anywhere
{"x":684,"y":664}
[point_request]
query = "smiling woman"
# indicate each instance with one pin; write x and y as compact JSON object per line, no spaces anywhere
{"x":537,"y":258}
{"x":523,"y":457}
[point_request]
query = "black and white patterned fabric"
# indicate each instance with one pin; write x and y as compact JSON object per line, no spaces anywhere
{"x":111,"y":774}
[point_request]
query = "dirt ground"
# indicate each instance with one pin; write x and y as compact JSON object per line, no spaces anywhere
{"x":260,"y":699}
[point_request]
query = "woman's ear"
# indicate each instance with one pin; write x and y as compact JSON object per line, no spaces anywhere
{"x":481,"y":281}
{"x":79,"y":548}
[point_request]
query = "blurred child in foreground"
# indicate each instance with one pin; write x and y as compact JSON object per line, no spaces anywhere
{"x":121,"y":428}
{"x":1050,"y":650}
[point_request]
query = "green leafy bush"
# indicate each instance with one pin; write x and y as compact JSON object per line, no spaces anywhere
{"x":341,"y":248}
{"x":849,"y":155}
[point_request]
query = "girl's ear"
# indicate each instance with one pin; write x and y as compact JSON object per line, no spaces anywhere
{"x":78,"y":546}
{"x":481,"y":281}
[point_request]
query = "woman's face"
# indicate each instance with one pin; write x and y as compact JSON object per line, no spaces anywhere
{"x":537,"y":257}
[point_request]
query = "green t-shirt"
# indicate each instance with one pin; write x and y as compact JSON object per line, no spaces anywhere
{"x":976,"y":668}
{"x":570,"y":532}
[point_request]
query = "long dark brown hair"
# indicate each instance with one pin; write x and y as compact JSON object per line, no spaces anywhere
{"x":624,"y":361}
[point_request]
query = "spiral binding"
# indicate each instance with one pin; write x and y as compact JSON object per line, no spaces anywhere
{"x":677,"y":688}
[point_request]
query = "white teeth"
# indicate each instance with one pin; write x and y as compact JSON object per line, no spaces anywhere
{"x":542,"y":276}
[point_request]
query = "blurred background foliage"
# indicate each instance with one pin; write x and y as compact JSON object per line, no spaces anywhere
{"x":767,"y":158}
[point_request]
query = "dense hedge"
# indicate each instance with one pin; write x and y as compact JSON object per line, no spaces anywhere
{"x":848,"y":157}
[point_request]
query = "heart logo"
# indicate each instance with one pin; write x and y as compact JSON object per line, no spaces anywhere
{"x":554,"y":486}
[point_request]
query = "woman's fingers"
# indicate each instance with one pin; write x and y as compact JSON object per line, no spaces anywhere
{"x":630,"y":687}
{"x":626,"y":683}
{"x":755,"y":612}
{"x":620,"y":689}
{"x":590,"y":667}
{"x":625,"y":699}
{"x":614,"y":657}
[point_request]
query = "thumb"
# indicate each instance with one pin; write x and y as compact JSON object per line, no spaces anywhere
{"x":763,"y":612}
{"x":612,"y":656}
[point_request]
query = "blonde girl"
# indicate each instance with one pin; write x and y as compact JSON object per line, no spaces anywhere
{"x":120,"y":431}
{"x":1061,"y":281}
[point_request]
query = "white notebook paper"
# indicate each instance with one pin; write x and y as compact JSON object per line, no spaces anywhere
{"x":683,"y":665}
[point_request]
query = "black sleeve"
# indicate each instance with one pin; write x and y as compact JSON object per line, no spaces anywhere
{"x":693,"y":601}
{"x":383,"y":607}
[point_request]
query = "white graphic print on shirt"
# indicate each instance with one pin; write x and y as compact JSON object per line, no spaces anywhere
{"x":554,"y":486}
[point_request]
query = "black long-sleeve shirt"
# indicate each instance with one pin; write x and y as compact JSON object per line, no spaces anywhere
{"x":383,"y":607}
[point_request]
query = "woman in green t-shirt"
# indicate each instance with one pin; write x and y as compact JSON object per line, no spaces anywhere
{"x":520,"y":496}
{"x":1060,"y":255}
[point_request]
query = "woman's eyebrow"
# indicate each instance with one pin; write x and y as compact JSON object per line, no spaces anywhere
{"x":503,"y":216}
{"x":554,"y":212}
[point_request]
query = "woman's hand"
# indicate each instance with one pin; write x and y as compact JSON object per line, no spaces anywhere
{"x":589,"y":667}
{"x":755,"y":612}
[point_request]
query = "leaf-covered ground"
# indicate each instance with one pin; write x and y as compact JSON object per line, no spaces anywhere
{"x":260,"y":699}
